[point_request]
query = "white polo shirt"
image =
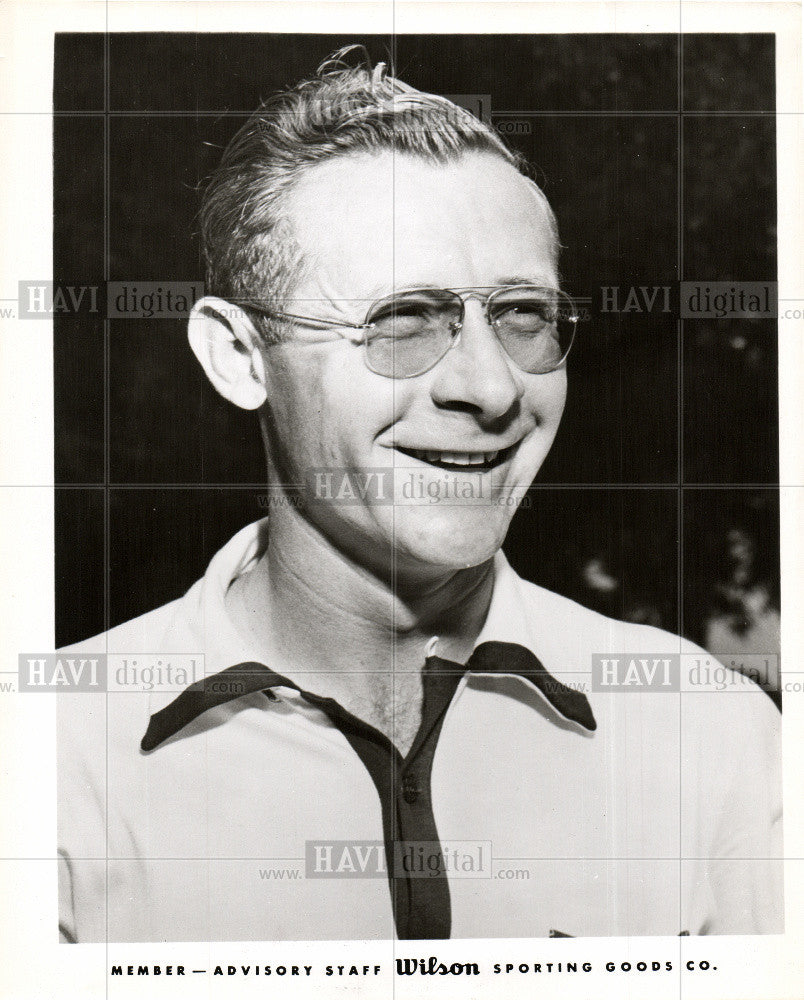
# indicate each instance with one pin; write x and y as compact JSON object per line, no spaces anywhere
{"x":270,"y":816}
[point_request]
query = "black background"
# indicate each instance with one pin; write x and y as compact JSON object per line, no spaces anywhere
{"x":658,"y":155}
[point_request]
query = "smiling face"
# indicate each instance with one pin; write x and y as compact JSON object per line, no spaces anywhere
{"x":462,"y":441}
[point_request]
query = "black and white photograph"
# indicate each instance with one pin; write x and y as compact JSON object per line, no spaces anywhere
{"x":418,"y":485}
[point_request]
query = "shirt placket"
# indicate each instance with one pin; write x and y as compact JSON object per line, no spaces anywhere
{"x":420,"y":898}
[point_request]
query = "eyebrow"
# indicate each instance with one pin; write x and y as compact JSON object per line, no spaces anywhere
{"x":541,"y":280}
{"x":381,"y":293}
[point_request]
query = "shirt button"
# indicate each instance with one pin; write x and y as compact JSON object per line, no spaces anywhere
{"x":410,"y":788}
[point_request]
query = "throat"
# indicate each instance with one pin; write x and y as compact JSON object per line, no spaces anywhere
{"x":391,"y":703}
{"x":360,"y":642}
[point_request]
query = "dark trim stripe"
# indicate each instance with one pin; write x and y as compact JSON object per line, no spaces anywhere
{"x":511,"y":658}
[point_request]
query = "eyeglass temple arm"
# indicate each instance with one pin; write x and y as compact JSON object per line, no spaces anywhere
{"x":278,"y":314}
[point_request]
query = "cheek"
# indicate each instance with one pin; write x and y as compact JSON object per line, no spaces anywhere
{"x":294,"y":403}
{"x":547,"y":397}
{"x":327,"y":407}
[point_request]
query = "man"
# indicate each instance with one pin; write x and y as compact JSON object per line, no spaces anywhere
{"x":384,"y":293}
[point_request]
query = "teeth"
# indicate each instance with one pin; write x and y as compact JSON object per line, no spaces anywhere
{"x":456,"y":457}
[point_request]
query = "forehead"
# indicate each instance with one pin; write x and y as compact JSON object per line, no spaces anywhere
{"x":368,"y":223}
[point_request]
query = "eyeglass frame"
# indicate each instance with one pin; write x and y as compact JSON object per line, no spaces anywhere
{"x":464,"y":294}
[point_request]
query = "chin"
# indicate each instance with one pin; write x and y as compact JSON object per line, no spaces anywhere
{"x":450,"y":539}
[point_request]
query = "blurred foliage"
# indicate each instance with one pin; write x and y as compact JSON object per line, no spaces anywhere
{"x":618,"y":552}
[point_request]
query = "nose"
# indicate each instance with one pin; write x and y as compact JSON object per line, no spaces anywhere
{"x":476,"y":375}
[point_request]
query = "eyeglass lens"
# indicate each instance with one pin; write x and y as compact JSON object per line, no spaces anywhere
{"x":412,"y":331}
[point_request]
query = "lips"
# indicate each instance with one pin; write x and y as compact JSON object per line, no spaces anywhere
{"x":460,"y":461}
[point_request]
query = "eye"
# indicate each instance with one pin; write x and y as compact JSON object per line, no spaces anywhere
{"x":414,"y":315}
{"x":525,"y":316}
{"x":406,"y":320}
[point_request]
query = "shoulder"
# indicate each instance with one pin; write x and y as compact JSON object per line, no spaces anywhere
{"x":717,"y":703}
{"x":153,"y":629}
{"x":110,"y":720}
{"x":570,"y":629}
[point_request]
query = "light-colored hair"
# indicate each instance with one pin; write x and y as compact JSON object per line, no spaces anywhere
{"x":247,"y":240}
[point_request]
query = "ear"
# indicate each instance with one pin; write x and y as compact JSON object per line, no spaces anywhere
{"x":227,"y":345}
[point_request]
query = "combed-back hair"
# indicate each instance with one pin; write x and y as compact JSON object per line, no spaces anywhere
{"x":248,"y":245}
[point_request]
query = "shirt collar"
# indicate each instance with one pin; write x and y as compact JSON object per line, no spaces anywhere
{"x":203,"y":612}
{"x":509,"y":619}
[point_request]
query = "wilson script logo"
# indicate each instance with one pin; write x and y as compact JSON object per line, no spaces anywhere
{"x":432,"y":967}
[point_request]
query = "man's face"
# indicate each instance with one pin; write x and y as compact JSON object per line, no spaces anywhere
{"x":369,"y":226}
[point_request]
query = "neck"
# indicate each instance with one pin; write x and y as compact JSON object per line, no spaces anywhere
{"x":310,"y":608}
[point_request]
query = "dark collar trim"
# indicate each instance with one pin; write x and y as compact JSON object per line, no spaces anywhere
{"x":248,"y":678}
{"x":511,"y":658}
{"x":217,"y":689}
